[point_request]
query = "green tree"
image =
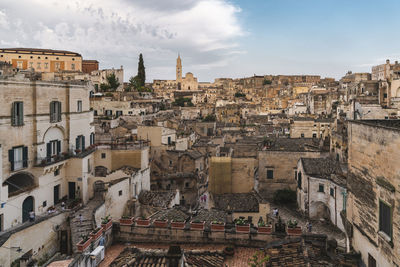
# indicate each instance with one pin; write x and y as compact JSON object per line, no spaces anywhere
{"x":113,"y":82}
{"x":141,"y":71}
{"x":134,"y":83}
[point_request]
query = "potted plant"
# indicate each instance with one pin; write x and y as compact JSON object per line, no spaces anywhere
{"x":126,"y":220}
{"x":178,"y":224}
{"x":217,"y":226}
{"x":229,"y":251}
{"x":143,"y":221}
{"x":161,"y":223}
{"x":242,"y":226}
{"x":96,"y":233}
{"x":264,"y":228}
{"x":106,"y":223}
{"x":197,"y":225}
{"x":77,"y":151}
{"x":84,"y":243}
{"x":293,"y":229}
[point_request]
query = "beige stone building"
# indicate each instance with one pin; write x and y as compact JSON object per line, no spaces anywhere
{"x":157,"y":135}
{"x":100,"y":76}
{"x":42,"y":60}
{"x":372,"y":211}
{"x":306,"y":127}
{"x":277,"y":163}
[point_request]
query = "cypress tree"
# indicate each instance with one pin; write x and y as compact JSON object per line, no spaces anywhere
{"x":141,"y":71}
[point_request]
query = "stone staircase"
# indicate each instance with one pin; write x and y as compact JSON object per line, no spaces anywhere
{"x":79,"y":229}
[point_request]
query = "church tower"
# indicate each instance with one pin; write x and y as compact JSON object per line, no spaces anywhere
{"x":178,"y":69}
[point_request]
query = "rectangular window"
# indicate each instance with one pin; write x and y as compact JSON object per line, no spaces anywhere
{"x":314,"y":135}
{"x":321,"y":188}
{"x":57,"y":172}
{"x":46,"y":65}
{"x":19,"y":64}
{"x":73,"y":66}
{"x":270,"y":174}
{"x":92,"y":139}
{"x":17,"y":114}
{"x":332,"y":192}
{"x":55,"y":111}
{"x":118,"y":113}
{"x":18,"y":158}
{"x":120,"y":192}
{"x":79,"y":106}
{"x":53,"y":149}
{"x":384,"y":95}
{"x":38,"y":66}
{"x":80,"y":143}
{"x":371,"y":261}
{"x":302,"y":135}
{"x":295,"y":175}
{"x":385,"y":218}
{"x":103,"y":155}
{"x":108,"y":112}
{"x":89,"y":167}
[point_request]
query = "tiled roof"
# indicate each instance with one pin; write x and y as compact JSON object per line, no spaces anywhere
{"x":321,"y":167}
{"x":210,"y":215}
{"x":162,"y":258}
{"x":171,"y":214}
{"x":156,"y":198}
{"x":39,"y":50}
{"x":204,"y":259}
{"x":240,"y":202}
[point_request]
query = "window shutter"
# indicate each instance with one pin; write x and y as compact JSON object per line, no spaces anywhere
{"x":83,"y":142}
{"x":13,"y":114}
{"x":58,"y":111}
{"x":77,"y":143}
{"x":51,"y":111}
{"x":11,"y":158}
{"x":21,"y":113}
{"x":25,"y":157}
{"x":58,"y":147}
{"x":48,"y":151}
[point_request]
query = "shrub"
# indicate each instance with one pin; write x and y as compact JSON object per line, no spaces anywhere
{"x":285,"y":196}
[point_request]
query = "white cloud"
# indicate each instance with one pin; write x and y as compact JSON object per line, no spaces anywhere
{"x":115,"y":32}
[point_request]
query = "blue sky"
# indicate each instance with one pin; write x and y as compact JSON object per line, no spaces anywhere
{"x":325,"y":37}
{"x":216,"y":38}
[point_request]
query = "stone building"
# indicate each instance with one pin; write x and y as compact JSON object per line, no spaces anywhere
{"x":99,"y":77}
{"x":372,"y":211}
{"x":187,"y":83}
{"x":321,"y":189}
{"x":42,"y":60}
{"x":89,"y":65}
{"x":43,"y":124}
{"x":157,"y":135}
{"x":277,"y":163}
{"x":306,"y":127}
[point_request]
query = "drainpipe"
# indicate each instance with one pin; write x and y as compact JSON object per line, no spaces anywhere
{"x":335,"y":207}
{"x":308,"y":191}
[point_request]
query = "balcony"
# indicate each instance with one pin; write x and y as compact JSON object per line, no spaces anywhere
{"x":47,"y":161}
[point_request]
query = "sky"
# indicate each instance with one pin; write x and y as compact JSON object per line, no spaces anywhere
{"x":215,"y":38}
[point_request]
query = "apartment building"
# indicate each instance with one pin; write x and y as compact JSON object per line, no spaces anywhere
{"x":42,"y":60}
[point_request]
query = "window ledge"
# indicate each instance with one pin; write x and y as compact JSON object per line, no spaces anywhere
{"x":385,"y":236}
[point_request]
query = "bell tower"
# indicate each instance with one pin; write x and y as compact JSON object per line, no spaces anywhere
{"x":179,"y":69}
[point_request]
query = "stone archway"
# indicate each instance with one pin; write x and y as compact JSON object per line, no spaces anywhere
{"x":100,"y":171}
{"x":319,"y":210}
{"x":27,"y":207}
{"x":19,"y":183}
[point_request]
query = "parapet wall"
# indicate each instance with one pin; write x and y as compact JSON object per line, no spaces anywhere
{"x":168,"y":235}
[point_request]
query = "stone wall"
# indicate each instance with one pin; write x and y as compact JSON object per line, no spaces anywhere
{"x":284,"y":165}
{"x":374,"y":155}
